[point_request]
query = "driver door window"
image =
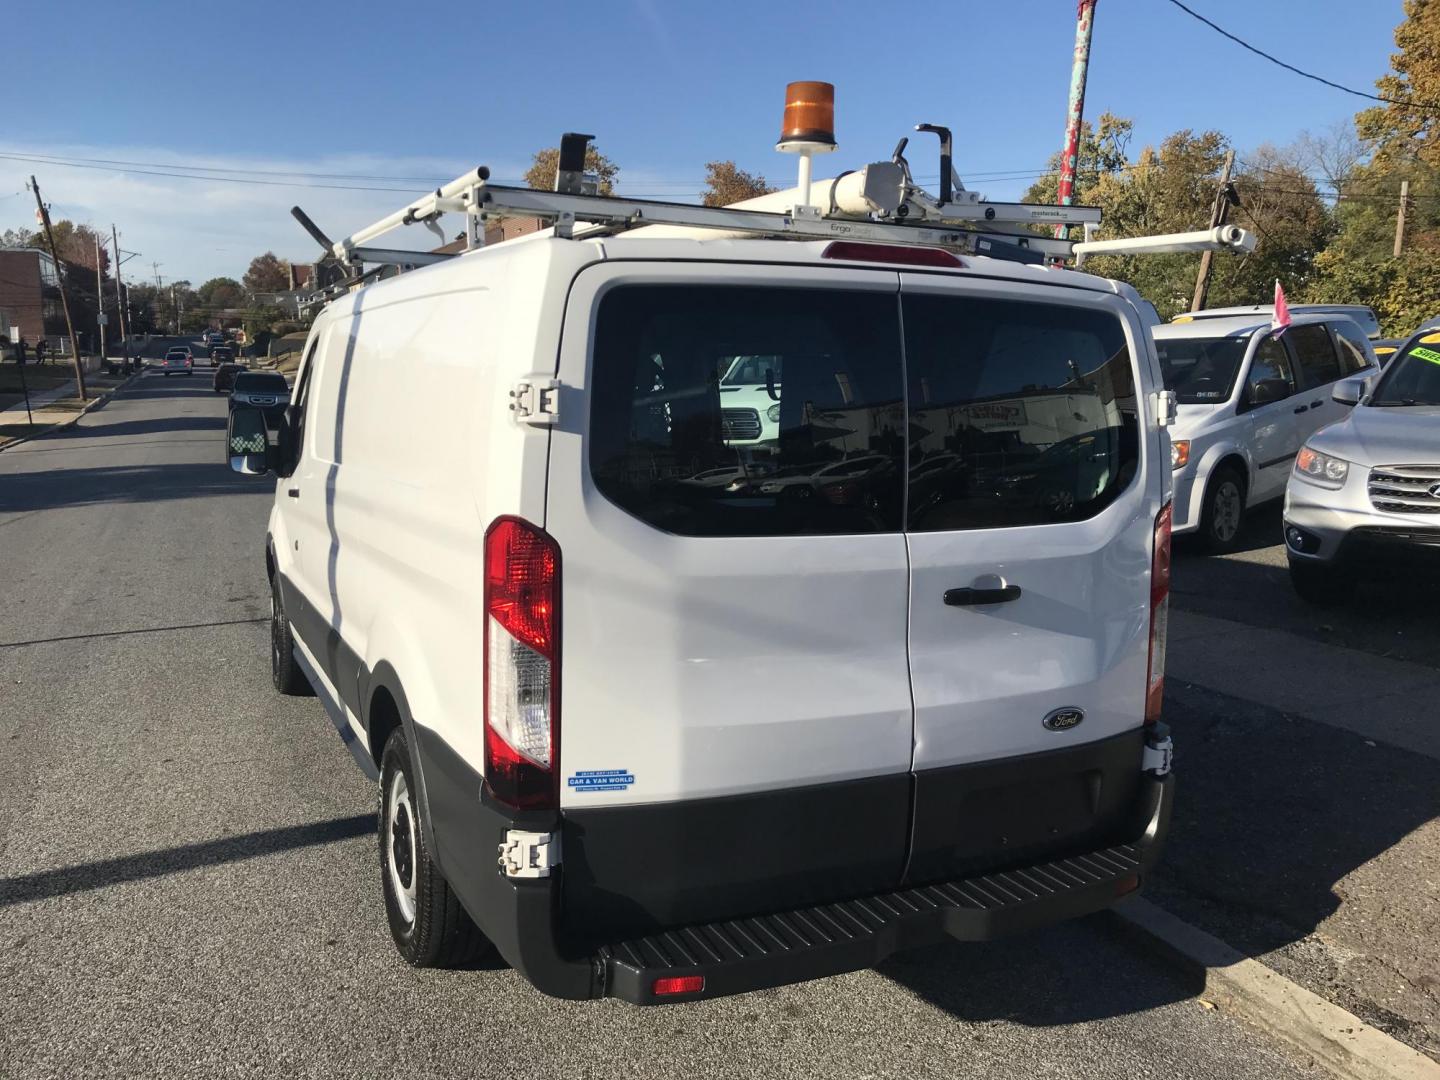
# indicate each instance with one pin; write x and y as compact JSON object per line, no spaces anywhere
{"x":1272,"y":375}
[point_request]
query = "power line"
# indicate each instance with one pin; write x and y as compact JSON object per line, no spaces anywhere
{"x":1301,"y":72}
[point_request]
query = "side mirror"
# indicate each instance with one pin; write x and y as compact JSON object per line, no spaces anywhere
{"x":247,"y":443}
{"x":1350,"y":391}
{"x":1268,"y":391}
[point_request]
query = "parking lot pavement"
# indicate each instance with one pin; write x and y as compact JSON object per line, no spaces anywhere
{"x":189,"y":883}
{"x":1307,"y":822}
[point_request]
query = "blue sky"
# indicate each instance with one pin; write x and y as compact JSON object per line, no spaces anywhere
{"x":385,"y":89}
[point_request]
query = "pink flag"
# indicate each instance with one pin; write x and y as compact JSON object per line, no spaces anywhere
{"x":1281,"y":318}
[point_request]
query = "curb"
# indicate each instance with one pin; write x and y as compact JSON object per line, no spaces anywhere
{"x":90,"y":407}
{"x":1334,"y":1038}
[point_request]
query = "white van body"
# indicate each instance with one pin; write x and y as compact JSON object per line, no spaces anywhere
{"x":767,"y":706}
{"x":1231,"y":451}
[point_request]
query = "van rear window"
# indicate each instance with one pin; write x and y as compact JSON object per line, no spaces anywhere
{"x":735,"y":411}
{"x":739,"y":411}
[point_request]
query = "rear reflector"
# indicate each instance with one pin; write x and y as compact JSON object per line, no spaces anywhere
{"x":683,"y":984}
{"x":1159,"y":616}
{"x":522,"y":653}
{"x":891,"y":253}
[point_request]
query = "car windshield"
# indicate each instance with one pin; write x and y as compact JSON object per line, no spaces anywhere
{"x":1413,"y":378}
{"x":262,"y":383}
{"x":1201,"y":371}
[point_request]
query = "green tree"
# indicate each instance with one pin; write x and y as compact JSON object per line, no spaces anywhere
{"x":1397,"y":131}
{"x":725,"y":184}
{"x":541,"y":174}
{"x":221,"y":292}
{"x":267,"y":273}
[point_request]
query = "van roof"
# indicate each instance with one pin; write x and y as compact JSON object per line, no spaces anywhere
{"x":1232,"y":326}
{"x":653,"y":245}
{"x":1363,"y":315}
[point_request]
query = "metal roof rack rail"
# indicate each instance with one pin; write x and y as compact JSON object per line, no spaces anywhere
{"x":879,"y":202}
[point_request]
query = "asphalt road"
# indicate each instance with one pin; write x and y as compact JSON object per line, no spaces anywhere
{"x":188,"y":875}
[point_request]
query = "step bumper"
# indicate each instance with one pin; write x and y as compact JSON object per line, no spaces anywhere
{"x":739,"y":955}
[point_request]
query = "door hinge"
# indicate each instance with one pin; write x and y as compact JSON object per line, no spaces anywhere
{"x":529,"y":854}
{"x":1157,"y":756}
{"x":536,"y":401}
{"x":1167,"y":407}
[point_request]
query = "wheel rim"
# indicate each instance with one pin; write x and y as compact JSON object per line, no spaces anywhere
{"x":1226,"y":512}
{"x":276,"y":634}
{"x":400,"y":852}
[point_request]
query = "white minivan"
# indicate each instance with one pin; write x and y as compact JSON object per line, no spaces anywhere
{"x":659,"y":738}
{"x":1248,"y":399}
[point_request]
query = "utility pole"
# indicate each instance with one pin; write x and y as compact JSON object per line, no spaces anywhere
{"x":1225,"y":197}
{"x":44,"y":212}
{"x":1400,"y":217}
{"x":1075,"y":115}
{"x":100,"y":302}
{"x":120,"y":299}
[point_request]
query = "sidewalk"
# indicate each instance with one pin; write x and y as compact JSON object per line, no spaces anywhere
{"x":54,"y":407}
{"x":1307,"y":825}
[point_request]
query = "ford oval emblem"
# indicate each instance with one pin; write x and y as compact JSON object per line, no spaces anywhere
{"x":1064,"y":719}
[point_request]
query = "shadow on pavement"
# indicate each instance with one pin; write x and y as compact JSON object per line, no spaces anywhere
{"x":1062,"y":975}
{"x":1392,"y":617}
{"x":53,"y":488}
{"x":98,"y":875}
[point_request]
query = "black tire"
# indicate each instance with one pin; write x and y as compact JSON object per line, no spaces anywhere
{"x":430,"y":927}
{"x":1322,"y":585}
{"x":285,"y":673}
{"x":1222,"y":518}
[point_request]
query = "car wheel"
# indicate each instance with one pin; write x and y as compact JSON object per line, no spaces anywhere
{"x":430,"y":927}
{"x":1223,"y":516}
{"x":1321,"y":584}
{"x":285,"y":673}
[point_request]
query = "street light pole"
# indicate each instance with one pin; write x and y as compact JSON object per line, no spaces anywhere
{"x":120,"y":299}
{"x":44,"y":212}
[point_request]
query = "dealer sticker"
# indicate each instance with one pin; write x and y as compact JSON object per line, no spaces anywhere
{"x":1426,"y":354}
{"x":601,"y":780}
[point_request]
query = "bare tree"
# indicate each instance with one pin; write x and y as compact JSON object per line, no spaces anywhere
{"x":726,"y":184}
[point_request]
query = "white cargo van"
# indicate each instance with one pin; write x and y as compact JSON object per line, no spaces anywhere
{"x":661,"y":739}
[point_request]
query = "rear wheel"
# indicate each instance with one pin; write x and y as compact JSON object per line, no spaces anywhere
{"x":1223,"y":515}
{"x":1321,"y":584}
{"x":430,"y":927}
{"x":285,"y":673}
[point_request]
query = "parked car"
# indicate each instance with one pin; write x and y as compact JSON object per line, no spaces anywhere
{"x":689,"y":716}
{"x":1248,"y":399}
{"x":178,"y":361}
{"x":224,"y":379}
{"x":1363,"y":316}
{"x":266,"y":390}
{"x":1364,"y":494}
{"x":1385,"y":350}
{"x":212,"y":337}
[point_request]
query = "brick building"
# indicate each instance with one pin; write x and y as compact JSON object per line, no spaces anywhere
{"x":30,"y":295}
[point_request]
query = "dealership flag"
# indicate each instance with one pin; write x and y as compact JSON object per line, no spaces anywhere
{"x":1281,"y":318}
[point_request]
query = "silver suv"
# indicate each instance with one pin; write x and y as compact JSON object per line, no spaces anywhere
{"x":1366,"y":492}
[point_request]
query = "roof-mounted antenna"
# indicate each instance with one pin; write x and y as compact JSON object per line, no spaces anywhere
{"x":947,"y":174}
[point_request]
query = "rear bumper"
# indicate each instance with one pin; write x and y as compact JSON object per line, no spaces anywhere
{"x":524,"y":918}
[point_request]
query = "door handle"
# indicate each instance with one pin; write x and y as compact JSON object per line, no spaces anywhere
{"x":1301,"y":408}
{"x":1317,"y":404}
{"x":964,"y":597}
{"x":294,"y":493}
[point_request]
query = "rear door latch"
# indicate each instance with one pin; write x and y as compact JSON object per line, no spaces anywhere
{"x":529,"y":854}
{"x":536,"y":401}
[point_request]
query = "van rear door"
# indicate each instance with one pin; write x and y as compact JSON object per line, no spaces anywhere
{"x":736,"y":722}
{"x":1031,"y":511}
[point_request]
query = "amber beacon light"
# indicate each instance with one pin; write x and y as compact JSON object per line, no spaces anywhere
{"x":808,"y":127}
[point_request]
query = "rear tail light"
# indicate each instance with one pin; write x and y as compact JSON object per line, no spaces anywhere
{"x":1159,"y":616}
{"x":522,"y":664}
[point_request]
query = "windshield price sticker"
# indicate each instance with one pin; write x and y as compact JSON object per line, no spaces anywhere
{"x":601,"y":780}
{"x":1426,"y":354}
